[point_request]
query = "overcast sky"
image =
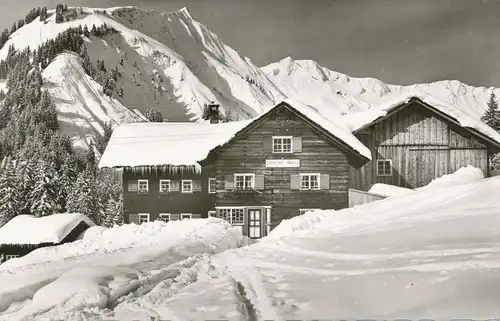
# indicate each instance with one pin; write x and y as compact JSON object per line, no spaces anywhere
{"x":398,"y":41}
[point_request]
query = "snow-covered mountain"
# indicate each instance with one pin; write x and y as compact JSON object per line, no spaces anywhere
{"x":311,"y":83}
{"x":173,"y":63}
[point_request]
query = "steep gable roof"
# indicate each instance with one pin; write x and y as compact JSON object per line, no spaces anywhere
{"x":332,"y":128}
{"x":363,"y":120}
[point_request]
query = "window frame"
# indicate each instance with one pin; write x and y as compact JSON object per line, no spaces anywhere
{"x":182,"y":214}
{"x":169,"y":186}
{"x":210,"y":179}
{"x":142,"y":180}
{"x":11,"y":256}
{"x":281,"y":144}
{"x":212,"y":213}
{"x":161,"y":217}
{"x":318,"y":175}
{"x":235,"y":215}
{"x":390,"y":167}
{"x":251,"y":187}
{"x":148,"y":216}
{"x":182,"y":186}
{"x":303,"y":211}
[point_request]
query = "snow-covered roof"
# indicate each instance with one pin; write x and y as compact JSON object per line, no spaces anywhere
{"x":28,"y":229}
{"x":361,"y":119}
{"x":187,"y":143}
{"x":332,"y":123}
{"x":170,"y":143}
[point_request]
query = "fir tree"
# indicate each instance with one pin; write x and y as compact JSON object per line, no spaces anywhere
{"x":9,"y":193}
{"x":154,"y":116}
{"x":44,"y":195}
{"x":114,"y":212}
{"x":83,"y":197}
{"x":492,"y":115}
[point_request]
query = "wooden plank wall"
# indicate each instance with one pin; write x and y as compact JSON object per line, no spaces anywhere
{"x":421,"y":147}
{"x":248,"y":155}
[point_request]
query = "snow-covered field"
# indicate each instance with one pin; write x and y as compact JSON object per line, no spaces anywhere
{"x":433,"y":253}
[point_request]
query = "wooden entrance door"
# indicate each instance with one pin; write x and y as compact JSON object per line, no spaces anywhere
{"x":254,"y":223}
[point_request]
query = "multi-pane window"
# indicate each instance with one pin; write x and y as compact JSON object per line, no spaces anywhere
{"x":164,"y":185}
{"x":384,"y":167}
{"x":11,"y":256}
{"x":143,"y":217}
{"x":185,"y":216}
{"x":232,"y":215}
{"x":309,"y":181}
{"x":187,"y":186}
{"x":212,"y":187}
{"x":303,"y":211}
{"x":142,"y":185}
{"x":244,"y":181}
{"x":165,"y":217}
{"x":212,"y":213}
{"x":282,"y":144}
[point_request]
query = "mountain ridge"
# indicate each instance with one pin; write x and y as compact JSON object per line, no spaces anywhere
{"x":172,"y":62}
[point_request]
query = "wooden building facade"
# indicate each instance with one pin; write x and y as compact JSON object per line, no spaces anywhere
{"x":416,"y":143}
{"x":277,"y":167}
{"x":166,"y":193}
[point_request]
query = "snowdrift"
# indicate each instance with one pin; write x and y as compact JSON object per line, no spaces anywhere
{"x":72,"y":279}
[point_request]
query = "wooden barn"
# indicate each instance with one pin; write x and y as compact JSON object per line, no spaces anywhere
{"x":252,"y":173}
{"x":26,"y":233}
{"x":414,"y":140}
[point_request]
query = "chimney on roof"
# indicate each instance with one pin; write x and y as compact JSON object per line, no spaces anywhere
{"x":211,"y":112}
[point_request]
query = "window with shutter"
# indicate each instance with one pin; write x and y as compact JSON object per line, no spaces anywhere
{"x":212,"y":188}
{"x":186,"y":216}
{"x":244,"y":181}
{"x":282,"y":144}
{"x":142,"y":185}
{"x":174,"y":217}
{"x":165,"y":217}
{"x":164,"y":185}
{"x":309,"y":181}
{"x":186,"y":186}
{"x":143,"y":217}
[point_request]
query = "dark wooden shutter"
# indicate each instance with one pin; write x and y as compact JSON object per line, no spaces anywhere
{"x":259,"y":182}
{"x":267,"y":145}
{"x":132,"y":186}
{"x":175,"y":186}
{"x":297,"y":144}
{"x":324,"y":181}
{"x":295,"y":181}
{"x":229,"y":182}
{"x":196,"y":215}
{"x":196,"y":186}
{"x":133,"y":218}
{"x":175,"y":217}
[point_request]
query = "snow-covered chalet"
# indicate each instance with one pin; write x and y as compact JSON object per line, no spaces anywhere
{"x":288,"y":160}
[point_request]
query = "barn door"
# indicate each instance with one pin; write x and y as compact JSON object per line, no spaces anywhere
{"x":426,"y":165}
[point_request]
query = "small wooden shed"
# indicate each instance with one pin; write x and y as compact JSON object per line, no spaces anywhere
{"x":26,"y":233}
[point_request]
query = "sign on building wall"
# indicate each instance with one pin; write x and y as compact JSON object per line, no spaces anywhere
{"x":282,"y":162}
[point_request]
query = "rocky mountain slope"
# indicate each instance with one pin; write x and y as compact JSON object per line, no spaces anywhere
{"x":173,"y":63}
